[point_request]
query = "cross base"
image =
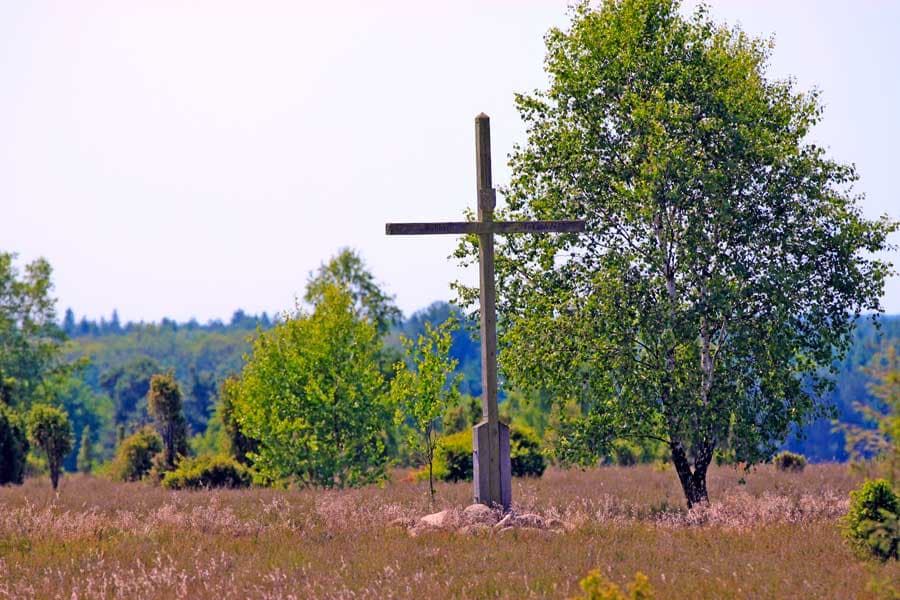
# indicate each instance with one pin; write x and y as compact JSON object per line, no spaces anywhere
{"x":482,"y":471}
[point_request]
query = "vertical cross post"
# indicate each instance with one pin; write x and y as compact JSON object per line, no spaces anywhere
{"x":491,"y":459}
{"x":490,"y":437}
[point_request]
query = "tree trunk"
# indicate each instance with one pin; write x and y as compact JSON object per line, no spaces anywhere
{"x":431,"y":479}
{"x":54,"y":474}
{"x":693,"y":481}
{"x":429,"y":455}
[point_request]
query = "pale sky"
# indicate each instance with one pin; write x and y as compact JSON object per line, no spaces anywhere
{"x":186,"y":159}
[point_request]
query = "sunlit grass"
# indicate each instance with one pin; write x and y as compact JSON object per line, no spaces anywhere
{"x":775,"y":537}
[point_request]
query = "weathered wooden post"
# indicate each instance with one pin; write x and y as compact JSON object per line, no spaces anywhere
{"x":490,"y":437}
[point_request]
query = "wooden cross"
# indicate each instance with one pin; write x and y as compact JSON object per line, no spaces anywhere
{"x":491,"y":460}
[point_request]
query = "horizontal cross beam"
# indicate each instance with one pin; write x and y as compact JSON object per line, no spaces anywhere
{"x":482,"y":227}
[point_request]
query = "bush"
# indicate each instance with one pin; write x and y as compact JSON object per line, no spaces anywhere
{"x":207,"y":472}
{"x":598,"y":587}
{"x":13,"y":446}
{"x":871,"y":525}
{"x":525,"y":452}
{"x":624,"y":454}
{"x":789,"y":461}
{"x":134,"y":456}
{"x":36,"y":466}
{"x":453,"y":456}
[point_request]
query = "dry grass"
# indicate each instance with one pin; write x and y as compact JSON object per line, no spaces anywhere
{"x":775,"y":537}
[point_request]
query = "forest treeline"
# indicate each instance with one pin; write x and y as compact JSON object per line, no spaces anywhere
{"x":120,"y":359}
{"x":117,"y":362}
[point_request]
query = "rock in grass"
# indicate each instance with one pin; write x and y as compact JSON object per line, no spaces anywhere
{"x":506,"y":521}
{"x":529,"y":521}
{"x":403,"y":522}
{"x":438,"y":519}
{"x":475,"y":529}
{"x":482,"y":514}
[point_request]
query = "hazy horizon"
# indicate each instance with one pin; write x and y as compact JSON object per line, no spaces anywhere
{"x":188,"y":161}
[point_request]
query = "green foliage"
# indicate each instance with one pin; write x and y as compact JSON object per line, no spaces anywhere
{"x":453,"y":455}
{"x":884,"y":588}
{"x":826,"y":440}
{"x":30,"y":339}
{"x":725,"y":258}
{"x":214,"y":440}
{"x":164,"y":404}
{"x":465,"y":347}
{"x":789,"y":461}
{"x":313,"y":396}
{"x":624,"y":453}
{"x":199,"y":401}
{"x":50,"y":430}
{"x":84,"y":406}
{"x":628,"y":452}
{"x":134,"y":456}
{"x":204,"y":472}
{"x":532,"y":409}
{"x":525,"y":452}
{"x":128,"y":385}
{"x":424,"y":388}
{"x":86,"y":452}
{"x":463,"y":415}
{"x":871,"y":524}
{"x":883,"y":441}
{"x":597,"y":587}
{"x":200,"y":355}
{"x":239,"y":444}
{"x":36,"y":466}
{"x":348,"y":272}
{"x":13,"y":446}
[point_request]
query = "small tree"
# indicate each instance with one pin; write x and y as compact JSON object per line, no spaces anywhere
{"x":13,"y":446}
{"x":164,"y":404}
{"x":86,"y":452}
{"x":424,"y":388}
{"x":313,"y":396}
{"x":348,"y":271}
{"x":50,"y":430}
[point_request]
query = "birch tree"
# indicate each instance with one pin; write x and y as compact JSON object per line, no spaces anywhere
{"x":726,"y":257}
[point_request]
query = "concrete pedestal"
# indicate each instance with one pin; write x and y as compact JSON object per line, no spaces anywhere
{"x":500,"y":469}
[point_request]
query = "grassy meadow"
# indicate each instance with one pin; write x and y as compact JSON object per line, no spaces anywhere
{"x":774,"y":536}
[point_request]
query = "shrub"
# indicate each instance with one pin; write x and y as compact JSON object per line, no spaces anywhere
{"x":13,"y":446}
{"x":598,"y":587}
{"x":453,"y":457}
{"x":871,"y":524}
{"x":36,"y":466}
{"x":525,"y":452}
{"x":207,"y":472}
{"x":789,"y":461}
{"x":624,"y":454}
{"x":134,"y":456}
